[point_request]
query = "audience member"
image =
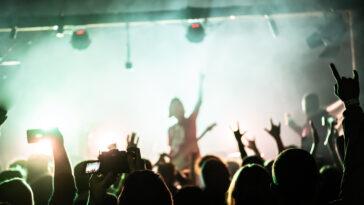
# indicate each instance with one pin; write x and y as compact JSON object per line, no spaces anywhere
{"x":250,"y":185}
{"x":16,"y":192}
{"x":295,"y":178}
{"x":216,"y":180}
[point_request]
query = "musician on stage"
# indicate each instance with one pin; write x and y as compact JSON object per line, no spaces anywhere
{"x":182,"y":136}
{"x":314,"y":113}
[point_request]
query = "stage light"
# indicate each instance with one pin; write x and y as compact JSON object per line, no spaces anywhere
{"x":13,"y":33}
{"x":330,"y":35}
{"x":315,"y":40}
{"x":80,"y":39}
{"x":195,"y":33}
{"x":128,"y":64}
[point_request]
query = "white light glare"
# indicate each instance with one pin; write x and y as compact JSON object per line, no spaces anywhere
{"x":60,"y":35}
{"x":43,"y":147}
{"x":10,"y":63}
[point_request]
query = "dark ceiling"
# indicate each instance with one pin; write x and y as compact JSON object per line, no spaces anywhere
{"x":32,"y":13}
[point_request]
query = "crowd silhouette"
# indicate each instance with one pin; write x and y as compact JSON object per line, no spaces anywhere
{"x":326,"y":173}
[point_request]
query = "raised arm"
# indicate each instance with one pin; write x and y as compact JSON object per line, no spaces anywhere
{"x":253,"y":146}
{"x":200,"y":95}
{"x":64,"y":189}
{"x":331,"y":142}
{"x":293,"y":125}
{"x":275,"y":132}
{"x":347,"y":89}
{"x":238,"y":136}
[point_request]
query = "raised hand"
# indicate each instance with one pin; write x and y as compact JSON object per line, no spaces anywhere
{"x":347,"y":89}
{"x":133,"y":153}
{"x":200,"y":87}
{"x":237,"y":133}
{"x":251,"y":144}
{"x":238,"y":136}
{"x":132,"y":140}
{"x":275,"y":130}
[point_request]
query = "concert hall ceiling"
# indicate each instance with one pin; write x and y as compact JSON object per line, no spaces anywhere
{"x":32,"y":13}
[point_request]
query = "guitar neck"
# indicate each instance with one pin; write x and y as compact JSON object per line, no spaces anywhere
{"x":202,"y":135}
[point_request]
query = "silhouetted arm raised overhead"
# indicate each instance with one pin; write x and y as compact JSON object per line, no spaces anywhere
{"x":64,"y":189}
{"x":275,"y":132}
{"x":347,"y":89}
{"x":200,"y":96}
{"x":238,"y":136}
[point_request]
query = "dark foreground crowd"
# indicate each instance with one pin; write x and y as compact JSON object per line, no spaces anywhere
{"x":294,"y":177}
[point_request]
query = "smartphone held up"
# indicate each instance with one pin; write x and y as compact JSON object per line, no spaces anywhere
{"x":36,"y":135}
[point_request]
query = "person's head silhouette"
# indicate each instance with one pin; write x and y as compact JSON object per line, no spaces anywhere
{"x":295,"y":177}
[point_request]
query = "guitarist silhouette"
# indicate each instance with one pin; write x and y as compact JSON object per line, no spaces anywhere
{"x":182,"y":136}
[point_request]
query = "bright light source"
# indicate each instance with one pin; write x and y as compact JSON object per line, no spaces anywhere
{"x":101,"y":137}
{"x":10,"y":63}
{"x":43,"y":147}
{"x":329,"y":35}
{"x":105,"y":141}
{"x":60,"y":35}
{"x":52,"y":113}
{"x":232,"y":17}
{"x":104,"y":138}
{"x":234,"y":155}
